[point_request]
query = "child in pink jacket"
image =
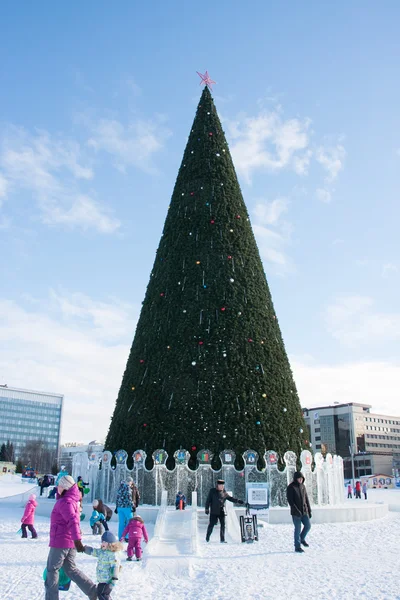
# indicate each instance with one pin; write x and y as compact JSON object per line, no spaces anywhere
{"x":29,"y":517}
{"x":136,"y":530}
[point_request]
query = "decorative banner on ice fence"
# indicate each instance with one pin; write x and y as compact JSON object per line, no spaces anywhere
{"x":258,"y":498}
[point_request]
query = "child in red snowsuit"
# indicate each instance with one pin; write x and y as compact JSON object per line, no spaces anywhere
{"x":136,"y":530}
{"x":28,"y":517}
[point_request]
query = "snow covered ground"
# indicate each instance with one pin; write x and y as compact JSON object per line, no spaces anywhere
{"x":344,"y":561}
{"x":11,"y":485}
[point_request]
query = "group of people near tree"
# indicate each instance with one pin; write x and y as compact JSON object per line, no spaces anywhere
{"x":66,"y":535}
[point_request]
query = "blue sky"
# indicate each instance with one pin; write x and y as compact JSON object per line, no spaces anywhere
{"x":96,"y":105}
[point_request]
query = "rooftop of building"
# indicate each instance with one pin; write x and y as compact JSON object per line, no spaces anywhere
{"x":7,"y":388}
{"x":338,"y":405}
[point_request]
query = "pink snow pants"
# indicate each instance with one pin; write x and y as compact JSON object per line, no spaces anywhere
{"x":135,"y":547}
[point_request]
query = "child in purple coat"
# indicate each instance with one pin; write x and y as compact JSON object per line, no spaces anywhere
{"x":136,"y":531}
{"x":28,"y":517}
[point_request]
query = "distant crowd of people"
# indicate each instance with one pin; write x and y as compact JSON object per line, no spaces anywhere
{"x":356,"y":490}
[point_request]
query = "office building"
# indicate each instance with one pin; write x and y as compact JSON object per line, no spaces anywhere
{"x":346,"y":429}
{"x":27,"y":415}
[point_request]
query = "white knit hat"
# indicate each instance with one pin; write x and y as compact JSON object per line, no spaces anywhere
{"x":95,"y":503}
{"x":66,"y":482}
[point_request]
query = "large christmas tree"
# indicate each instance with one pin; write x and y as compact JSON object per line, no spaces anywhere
{"x":208,"y":366}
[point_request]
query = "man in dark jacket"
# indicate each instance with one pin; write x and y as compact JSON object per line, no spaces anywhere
{"x":215,"y":505}
{"x":299,"y":509}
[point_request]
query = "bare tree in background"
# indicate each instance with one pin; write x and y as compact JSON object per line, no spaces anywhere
{"x":37,"y":454}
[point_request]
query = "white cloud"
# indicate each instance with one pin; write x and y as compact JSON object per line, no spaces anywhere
{"x":133,"y":144}
{"x":373,"y":382}
{"x":51,"y":169}
{"x":269,"y":142}
{"x":109,"y":320}
{"x":352,"y":320}
{"x":84,"y":212}
{"x":72,"y":345}
{"x":272,"y":234}
{"x":268,"y":213}
{"x":389,"y":269}
{"x":332,"y":160}
{"x":301,"y":163}
{"x":323,"y":195}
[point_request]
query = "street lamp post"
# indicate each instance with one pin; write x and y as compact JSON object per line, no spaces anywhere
{"x":351,"y":447}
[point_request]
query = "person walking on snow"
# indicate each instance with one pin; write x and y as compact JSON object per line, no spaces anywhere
{"x":65,"y":541}
{"x":300,"y":510}
{"x":215,"y":504}
{"x":364,"y":489}
{"x":108,"y":564}
{"x":28,"y":517}
{"x":358,"y":489}
{"x":349,"y":491}
{"x":135,"y":530}
{"x":127,"y":501}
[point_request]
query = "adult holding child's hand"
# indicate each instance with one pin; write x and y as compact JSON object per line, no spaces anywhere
{"x":65,"y":541}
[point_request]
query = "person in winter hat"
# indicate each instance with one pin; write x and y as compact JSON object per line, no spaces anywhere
{"x":215,"y":504}
{"x":65,"y":541}
{"x":135,"y":530}
{"x":81,"y":485}
{"x":127,"y":500}
{"x":45,"y":483}
{"x":300,"y":510}
{"x":108,"y":564}
{"x":97,"y":520}
{"x":103,"y":508}
{"x":349,"y":491}
{"x":365,"y":489}
{"x":62,"y":473}
{"x":28,"y":517}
